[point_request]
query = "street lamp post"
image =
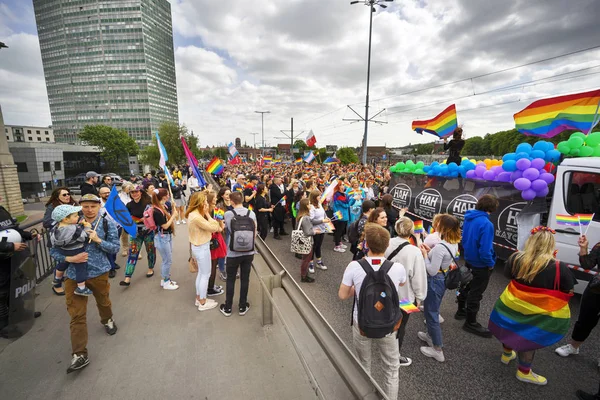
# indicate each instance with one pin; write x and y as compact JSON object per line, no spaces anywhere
{"x":262,"y":119}
{"x":371,"y":4}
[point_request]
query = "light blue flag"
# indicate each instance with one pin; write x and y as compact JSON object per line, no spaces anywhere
{"x":117,"y":210}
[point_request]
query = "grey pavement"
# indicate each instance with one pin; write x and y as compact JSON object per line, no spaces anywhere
{"x":164,"y":348}
{"x":472,"y":369}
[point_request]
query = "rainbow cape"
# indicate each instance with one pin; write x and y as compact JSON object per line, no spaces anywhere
{"x":548,"y":117}
{"x":527,"y":318}
{"x":443,"y":125}
{"x":562,"y":219}
{"x":215,"y":167}
{"x":408,"y":307}
{"x":419,"y":227}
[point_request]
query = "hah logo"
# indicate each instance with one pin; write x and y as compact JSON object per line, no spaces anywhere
{"x":460,"y":205}
{"x":428,"y":203}
{"x":402,"y":195}
{"x":507,"y":226}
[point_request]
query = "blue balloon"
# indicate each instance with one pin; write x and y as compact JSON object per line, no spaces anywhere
{"x":549,"y":146}
{"x":435,"y":169}
{"x":509,"y":156}
{"x":524,"y":148}
{"x":509,"y":166}
{"x":426,"y":168}
{"x":522,"y":155}
{"x":464,"y":162}
{"x":538,"y":154}
{"x":553,"y":155}
{"x":435,"y":163}
{"x":540,"y":145}
{"x":462,"y":171}
{"x":452,"y":167}
{"x":454,"y":174}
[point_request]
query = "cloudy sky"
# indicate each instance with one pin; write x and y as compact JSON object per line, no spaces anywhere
{"x":307,"y":59}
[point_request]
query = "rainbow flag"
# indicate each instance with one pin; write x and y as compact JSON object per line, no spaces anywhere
{"x":298,"y":161}
{"x":337,"y":215}
{"x":571,"y":220}
{"x":219,"y":214}
{"x":267,"y":159}
{"x":419,"y":227}
{"x":215,"y":167}
{"x":585,"y":219}
{"x":527,"y":318}
{"x":430,"y":230}
{"x":443,"y":125}
{"x":250,"y":207}
{"x":408,"y":307}
{"x":548,"y":117}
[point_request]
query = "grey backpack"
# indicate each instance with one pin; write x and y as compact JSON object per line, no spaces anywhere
{"x":242,"y":232}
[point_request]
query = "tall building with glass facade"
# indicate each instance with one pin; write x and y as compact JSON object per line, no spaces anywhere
{"x":108,"y":62}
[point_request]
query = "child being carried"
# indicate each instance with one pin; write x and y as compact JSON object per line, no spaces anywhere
{"x":69,"y":236}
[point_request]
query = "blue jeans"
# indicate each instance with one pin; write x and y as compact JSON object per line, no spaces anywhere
{"x":164,"y":244}
{"x":112,"y":258}
{"x":435,"y":293}
{"x":80,"y":268}
{"x":221,"y":261}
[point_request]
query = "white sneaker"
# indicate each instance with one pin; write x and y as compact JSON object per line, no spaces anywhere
{"x":207,"y":306}
{"x":177,"y":223}
{"x":343,"y":246}
{"x":566,"y":350}
{"x":441,"y":319}
{"x":321,"y":266}
{"x":424,"y":336}
{"x":433,"y":353}
{"x":184,"y":222}
{"x":162,"y":282}
{"x":311,"y":269}
{"x":170,"y":285}
{"x":197,"y":302}
{"x":339,"y":249}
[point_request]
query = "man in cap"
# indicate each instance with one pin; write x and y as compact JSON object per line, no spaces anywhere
{"x":104,"y":241}
{"x":89,"y":186}
{"x":239,"y":183}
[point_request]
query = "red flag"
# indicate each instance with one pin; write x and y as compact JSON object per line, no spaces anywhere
{"x":311,"y":139}
{"x":235,"y":160}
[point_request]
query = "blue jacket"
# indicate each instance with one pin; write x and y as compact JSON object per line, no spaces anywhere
{"x":340,"y":203}
{"x":97,"y":263}
{"x":477,"y":239}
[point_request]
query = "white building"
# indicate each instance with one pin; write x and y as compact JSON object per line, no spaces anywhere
{"x":29,"y":134}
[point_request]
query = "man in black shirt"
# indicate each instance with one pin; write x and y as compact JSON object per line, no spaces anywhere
{"x":89,"y":186}
{"x":250,"y":193}
{"x":162,"y":181}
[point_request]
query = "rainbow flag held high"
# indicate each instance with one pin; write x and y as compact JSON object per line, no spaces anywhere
{"x":215,"y":166}
{"x":585,"y":219}
{"x":419,"y":227}
{"x":526,"y":318}
{"x":442,"y":125}
{"x":267,"y":159}
{"x":549,"y":117}
{"x":219,"y":214}
{"x":571,"y":220}
{"x":408,"y":307}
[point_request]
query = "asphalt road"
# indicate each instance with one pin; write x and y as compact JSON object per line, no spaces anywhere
{"x":472,"y":369}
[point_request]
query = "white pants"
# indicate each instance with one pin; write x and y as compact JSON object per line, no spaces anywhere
{"x":202,"y":255}
{"x":388,"y":348}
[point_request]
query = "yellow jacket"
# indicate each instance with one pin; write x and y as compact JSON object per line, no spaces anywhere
{"x":200,"y":229}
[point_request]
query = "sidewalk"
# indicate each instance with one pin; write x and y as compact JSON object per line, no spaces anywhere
{"x":164,"y":348}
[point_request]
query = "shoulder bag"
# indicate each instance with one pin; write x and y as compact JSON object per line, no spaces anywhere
{"x":301,"y":244}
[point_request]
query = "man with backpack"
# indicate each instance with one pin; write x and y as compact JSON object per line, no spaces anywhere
{"x":241,"y":224}
{"x":373,"y":282}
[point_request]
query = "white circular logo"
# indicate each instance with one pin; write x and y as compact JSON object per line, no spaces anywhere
{"x":402,"y":195}
{"x":459,"y":206}
{"x":428,"y":203}
{"x":507,"y":226}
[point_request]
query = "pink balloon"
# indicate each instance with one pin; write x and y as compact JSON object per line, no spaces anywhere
{"x":522,"y":184}
{"x":528,"y":194}
{"x":548,"y":178}
{"x":531,"y":173}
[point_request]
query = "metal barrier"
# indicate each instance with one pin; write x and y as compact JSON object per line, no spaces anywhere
{"x":40,"y":250}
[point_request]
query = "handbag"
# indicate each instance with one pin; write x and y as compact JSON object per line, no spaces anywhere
{"x":301,"y":244}
{"x":193,"y":265}
{"x":214,"y":244}
{"x":457,"y":275}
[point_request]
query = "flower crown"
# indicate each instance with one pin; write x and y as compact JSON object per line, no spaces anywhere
{"x":542,"y":228}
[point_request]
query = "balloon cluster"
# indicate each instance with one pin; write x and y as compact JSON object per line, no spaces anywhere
{"x":580,"y":145}
{"x":410,"y":167}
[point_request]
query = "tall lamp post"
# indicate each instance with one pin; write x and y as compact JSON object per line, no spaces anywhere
{"x":372,"y":9}
{"x":262,"y":119}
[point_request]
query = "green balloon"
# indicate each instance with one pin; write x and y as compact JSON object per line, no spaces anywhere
{"x":400,"y":165}
{"x":410,"y":162}
{"x":574,"y":152}
{"x":586,"y":151}
{"x":593,"y":139}
{"x":420,"y":164}
{"x":578,"y":134}
{"x":419,"y":171}
{"x":393,"y":168}
{"x":563,"y":147}
{"x":597,"y":151}
{"x":575,"y":142}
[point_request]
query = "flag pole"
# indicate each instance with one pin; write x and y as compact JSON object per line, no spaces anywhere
{"x":579,"y":223}
{"x":595,"y":120}
{"x":588,"y":226}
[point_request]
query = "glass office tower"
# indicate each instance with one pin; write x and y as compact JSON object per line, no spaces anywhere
{"x":108,"y":62}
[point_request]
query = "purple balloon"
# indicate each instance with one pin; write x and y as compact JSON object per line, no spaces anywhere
{"x":546,"y":177}
{"x":479,"y":171}
{"x":538,"y":185}
{"x":471,"y":174}
{"x":489,"y":175}
{"x":531,"y":173}
{"x":538,"y":163}
{"x":482,"y":164}
{"x":522,"y":184}
{"x":542,"y":193}
{"x":497,"y":169}
{"x":504,"y":177}
{"x":516,"y":175}
{"x":523,"y":164}
{"x":528,"y":194}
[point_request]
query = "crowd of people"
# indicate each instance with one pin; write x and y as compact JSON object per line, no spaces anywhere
{"x":255,"y":200}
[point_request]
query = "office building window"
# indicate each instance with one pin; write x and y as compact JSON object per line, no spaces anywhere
{"x":21,"y":167}
{"x":46,"y":132}
{"x":39,"y":139}
{"x":28,"y":130}
{"x":46,"y":166}
{"x":38,"y":132}
{"x":57,"y":166}
{"x":47,"y":139}
{"x":30,"y":138}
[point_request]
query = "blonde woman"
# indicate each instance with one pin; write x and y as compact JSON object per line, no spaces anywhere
{"x":201,"y":227}
{"x":533,"y":311}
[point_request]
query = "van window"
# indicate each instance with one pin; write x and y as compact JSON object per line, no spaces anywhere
{"x":582,"y":195}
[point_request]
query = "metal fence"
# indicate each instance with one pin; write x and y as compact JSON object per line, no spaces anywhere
{"x":40,"y":250}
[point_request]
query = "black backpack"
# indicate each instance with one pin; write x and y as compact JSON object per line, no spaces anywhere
{"x":378,"y":302}
{"x":353,"y":235}
{"x":242,"y":232}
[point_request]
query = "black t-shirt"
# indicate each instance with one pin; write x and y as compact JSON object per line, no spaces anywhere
{"x":137,"y":211}
{"x":260,"y":203}
{"x":546,"y":277}
{"x":161,"y":219}
{"x":455,"y":147}
{"x":248,"y":192}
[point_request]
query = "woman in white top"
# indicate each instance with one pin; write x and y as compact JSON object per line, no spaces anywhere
{"x":318,"y":219}
{"x":402,"y":252}
{"x":438,"y":261}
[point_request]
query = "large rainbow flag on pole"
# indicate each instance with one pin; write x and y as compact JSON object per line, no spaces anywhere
{"x":443,"y":125}
{"x":527,"y":318}
{"x":548,"y":117}
{"x":193,"y":163}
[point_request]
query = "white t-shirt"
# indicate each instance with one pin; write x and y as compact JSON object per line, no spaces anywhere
{"x":355,"y":274}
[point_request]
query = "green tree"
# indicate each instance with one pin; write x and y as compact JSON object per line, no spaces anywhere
{"x":115,"y":144}
{"x":170,"y":136}
{"x":300,"y":145}
{"x":220,"y":152}
{"x":421,"y":149}
{"x":347,"y":155}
